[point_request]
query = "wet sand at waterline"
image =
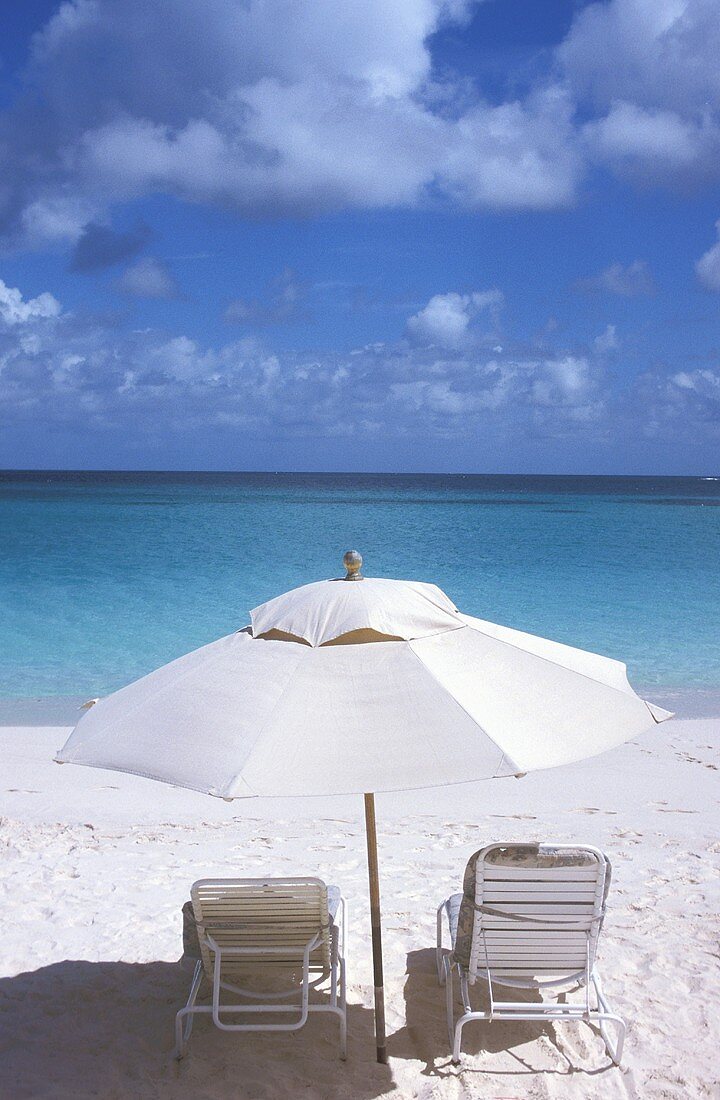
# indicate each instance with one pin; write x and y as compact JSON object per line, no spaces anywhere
{"x":97,"y":865}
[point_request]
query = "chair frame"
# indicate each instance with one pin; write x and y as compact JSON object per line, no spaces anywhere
{"x":588,"y":978}
{"x":257,"y":956}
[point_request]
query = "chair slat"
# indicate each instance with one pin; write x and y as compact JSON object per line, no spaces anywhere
{"x":518,"y":972}
{"x":544,"y":919}
{"x":516,"y":934}
{"x":263,"y":913}
{"x":557,"y":895}
{"x":529,"y":907}
{"x":519,"y":951}
{"x":540,"y":874}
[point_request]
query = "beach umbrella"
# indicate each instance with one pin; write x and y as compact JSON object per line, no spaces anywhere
{"x":360,"y":686}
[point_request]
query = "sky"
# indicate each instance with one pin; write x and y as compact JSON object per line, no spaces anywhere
{"x":403,"y":235}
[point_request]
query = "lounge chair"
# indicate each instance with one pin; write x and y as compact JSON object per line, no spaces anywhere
{"x":529,"y":917}
{"x":284,"y":936}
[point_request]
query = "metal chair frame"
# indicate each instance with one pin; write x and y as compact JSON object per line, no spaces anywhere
{"x":588,"y":978}
{"x":257,"y":955}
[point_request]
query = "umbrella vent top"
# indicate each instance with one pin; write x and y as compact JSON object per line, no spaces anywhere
{"x":379,"y":609}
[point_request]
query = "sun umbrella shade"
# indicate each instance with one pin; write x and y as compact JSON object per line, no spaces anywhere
{"x":453,"y":699}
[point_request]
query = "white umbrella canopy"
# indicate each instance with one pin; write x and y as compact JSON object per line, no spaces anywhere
{"x":314,"y":699}
{"x":378,"y":685}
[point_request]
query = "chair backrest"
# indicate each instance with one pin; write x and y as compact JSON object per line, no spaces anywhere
{"x":260,"y":913}
{"x":531,"y":913}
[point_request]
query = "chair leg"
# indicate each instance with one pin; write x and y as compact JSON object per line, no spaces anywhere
{"x":614,"y":1048}
{"x":184,"y":1018}
{"x":337,"y":969}
{"x":439,"y":953}
{"x":465,"y":991}
{"x":457,"y":1040}
{"x":456,"y":1035}
{"x":334,"y":968}
{"x":343,"y":1009}
{"x":449,"y":997}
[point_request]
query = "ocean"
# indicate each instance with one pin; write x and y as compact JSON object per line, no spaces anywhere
{"x":105,"y":576}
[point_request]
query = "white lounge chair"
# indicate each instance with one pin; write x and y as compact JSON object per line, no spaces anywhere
{"x":529,"y":917}
{"x":285,"y":934}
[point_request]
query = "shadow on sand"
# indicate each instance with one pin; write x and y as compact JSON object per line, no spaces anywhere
{"x":105,"y":1030}
{"x":425,"y":1036}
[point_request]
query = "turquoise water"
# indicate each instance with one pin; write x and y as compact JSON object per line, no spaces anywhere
{"x":105,"y":576}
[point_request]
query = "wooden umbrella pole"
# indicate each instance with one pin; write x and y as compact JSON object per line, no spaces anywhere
{"x":371,"y":834}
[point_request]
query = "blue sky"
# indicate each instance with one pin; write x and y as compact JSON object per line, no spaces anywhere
{"x":407,"y":235}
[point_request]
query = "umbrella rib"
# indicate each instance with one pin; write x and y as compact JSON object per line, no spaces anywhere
{"x":441,"y":685}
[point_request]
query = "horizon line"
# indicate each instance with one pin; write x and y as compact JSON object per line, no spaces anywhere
{"x":339,"y":473}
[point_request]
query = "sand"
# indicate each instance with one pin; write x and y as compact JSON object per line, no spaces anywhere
{"x":96,"y":866}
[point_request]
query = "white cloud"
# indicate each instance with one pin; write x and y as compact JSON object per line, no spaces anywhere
{"x":446,"y":318}
{"x":566,"y":382}
{"x":704,"y":383}
{"x":316,"y":146}
{"x":54,"y":218}
{"x":16,"y":310}
{"x":708,"y":266}
{"x":627,"y":281}
{"x":281,"y":303}
{"x":684,"y":404}
{"x":80,"y":373}
{"x":656,"y":53}
{"x":647,"y":71}
{"x":284,"y":107}
{"x":607,"y":340}
{"x":631,"y":131}
{"x":76,"y":376}
{"x":148,"y":278}
{"x":518,"y":155}
{"x":267,"y":108}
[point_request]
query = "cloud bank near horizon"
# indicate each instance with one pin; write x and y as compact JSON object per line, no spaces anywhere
{"x":446,"y":381}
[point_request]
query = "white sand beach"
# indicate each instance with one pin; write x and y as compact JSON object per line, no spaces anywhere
{"x":97,"y":865}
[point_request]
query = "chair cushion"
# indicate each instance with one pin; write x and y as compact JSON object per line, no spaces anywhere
{"x":452,"y":908}
{"x":461,"y":918}
{"x":334,"y":897}
{"x":191,"y":944}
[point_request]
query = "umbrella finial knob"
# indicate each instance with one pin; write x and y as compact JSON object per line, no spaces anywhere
{"x":353,"y":563}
